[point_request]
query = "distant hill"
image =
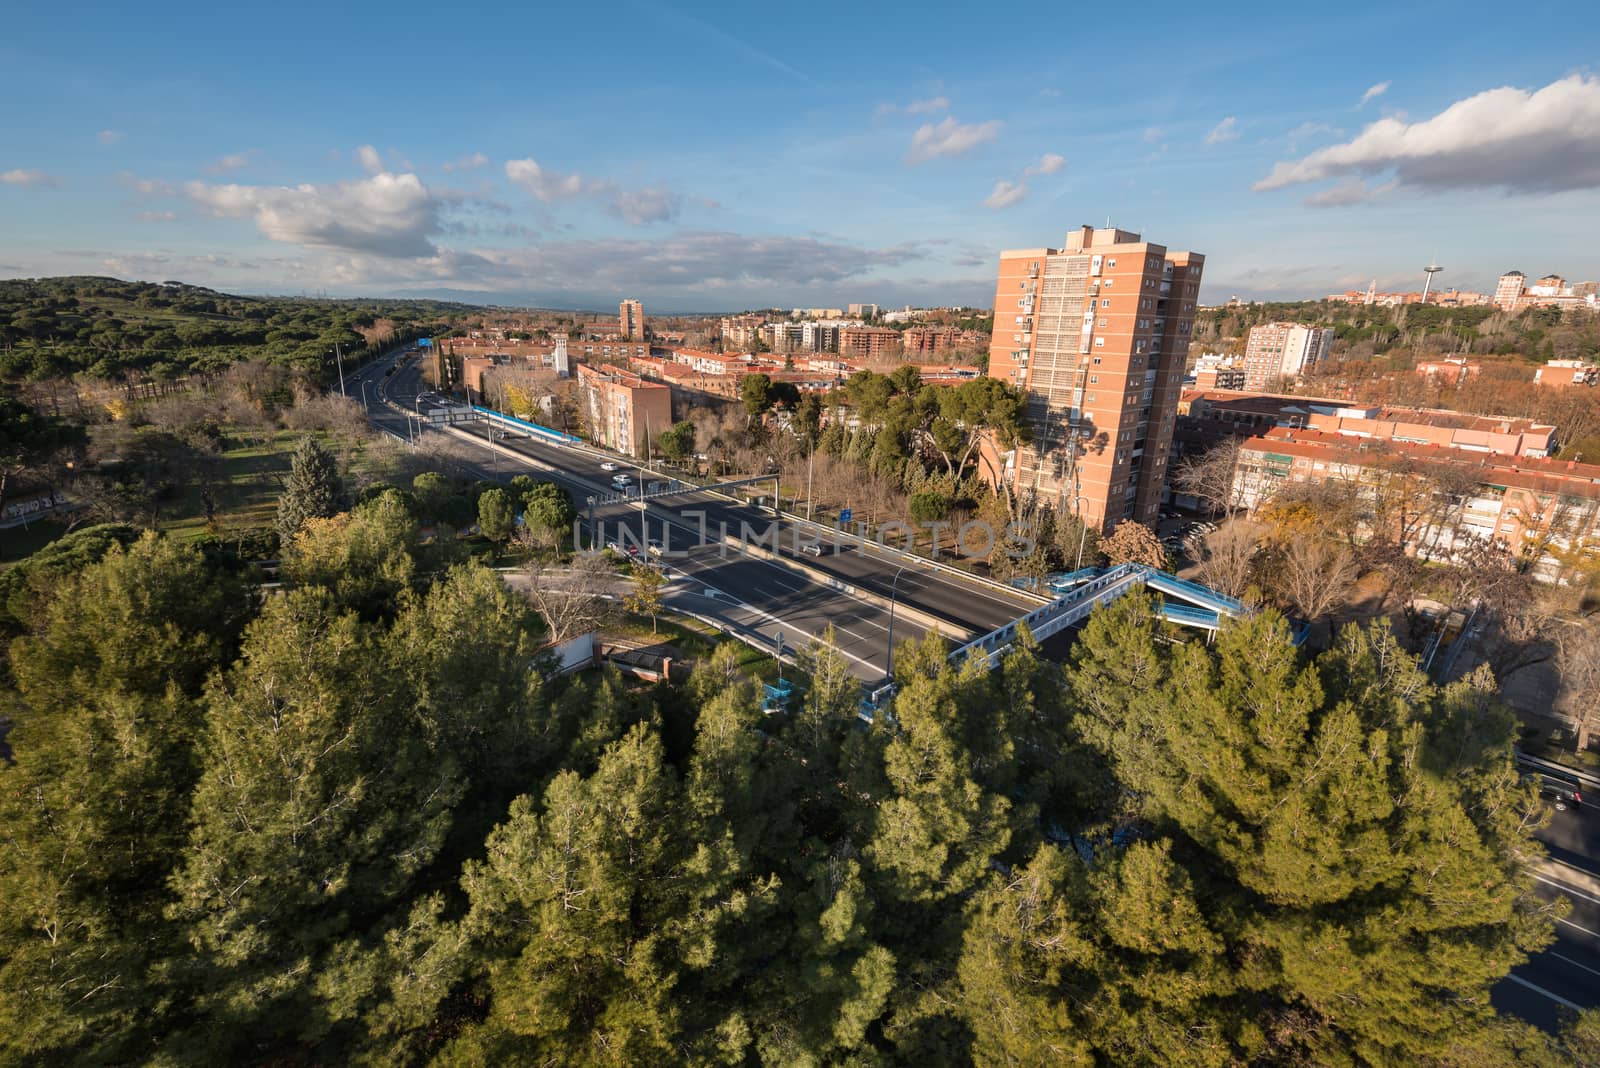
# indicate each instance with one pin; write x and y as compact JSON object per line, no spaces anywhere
{"x":107,"y":327}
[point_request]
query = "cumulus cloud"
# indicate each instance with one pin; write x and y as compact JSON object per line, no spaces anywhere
{"x":468,"y":162}
{"x":385,"y":215}
{"x":369,"y":159}
{"x":1373,"y":93}
{"x":1049,"y":163}
{"x":1005,"y":194}
{"x":233,"y":161}
{"x":544,"y":184}
{"x":1538,"y":142}
{"x":29,"y":178}
{"x":109,"y":137}
{"x":638,"y":207}
{"x":1224,"y":131}
{"x":950,"y":138}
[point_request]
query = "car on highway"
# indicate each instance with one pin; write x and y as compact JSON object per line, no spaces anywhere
{"x":621,"y":481}
{"x":812,"y":548}
{"x":1562,"y":793}
{"x":655,"y":548}
{"x":608,"y":466}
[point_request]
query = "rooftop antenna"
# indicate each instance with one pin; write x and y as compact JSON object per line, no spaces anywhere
{"x":1428,"y":272}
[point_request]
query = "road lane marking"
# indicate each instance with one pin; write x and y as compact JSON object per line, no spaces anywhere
{"x":1569,"y":960}
{"x":1568,"y":890}
{"x":1578,"y":927}
{"x":1557,"y":998}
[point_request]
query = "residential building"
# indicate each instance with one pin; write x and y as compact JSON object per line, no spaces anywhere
{"x":1283,"y":350}
{"x":1096,"y":334}
{"x":1508,"y":290}
{"x":630,"y":320}
{"x":921,"y":340}
{"x":1452,"y":369}
{"x":863,"y":311}
{"x":1567,"y":373}
{"x":1215,"y":414}
{"x":623,"y":411}
{"x":868,"y":342}
{"x":1215,"y":371}
{"x":1533,"y":508}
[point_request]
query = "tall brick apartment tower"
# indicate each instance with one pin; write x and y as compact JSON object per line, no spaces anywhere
{"x":1097,"y":334}
{"x":630,"y":320}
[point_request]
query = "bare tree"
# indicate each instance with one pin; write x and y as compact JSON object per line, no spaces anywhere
{"x":574,"y":599}
{"x":1227,"y":557}
{"x":1578,"y":660}
{"x":1135,"y":543}
{"x":1316,"y":575}
{"x":1212,"y":477}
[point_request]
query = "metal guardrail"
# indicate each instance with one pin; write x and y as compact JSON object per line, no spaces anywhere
{"x":1539,"y":763}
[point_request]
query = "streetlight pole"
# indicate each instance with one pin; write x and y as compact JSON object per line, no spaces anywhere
{"x":339,"y":359}
{"x":811,"y":474}
{"x":893,"y":587}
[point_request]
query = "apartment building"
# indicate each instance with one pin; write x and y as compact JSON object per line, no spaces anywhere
{"x":1283,"y":350}
{"x":1216,"y":371}
{"x":623,"y":411}
{"x":1536,"y":509}
{"x":1096,"y":333}
{"x":630,"y":320}
{"x":866,"y":342}
{"x":1222,"y":412}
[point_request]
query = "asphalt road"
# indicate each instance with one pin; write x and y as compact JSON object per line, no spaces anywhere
{"x":752,"y":598}
{"x":1565,"y":976}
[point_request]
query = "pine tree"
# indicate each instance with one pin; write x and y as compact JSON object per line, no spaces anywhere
{"x":92,"y":813}
{"x":314,"y":490}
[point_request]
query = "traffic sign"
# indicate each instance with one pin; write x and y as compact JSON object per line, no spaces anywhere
{"x":844,"y":515}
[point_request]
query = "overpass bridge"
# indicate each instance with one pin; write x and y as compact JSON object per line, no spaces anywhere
{"x":1186,"y":603}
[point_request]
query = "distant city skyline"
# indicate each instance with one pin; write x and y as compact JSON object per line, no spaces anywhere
{"x":250,"y":154}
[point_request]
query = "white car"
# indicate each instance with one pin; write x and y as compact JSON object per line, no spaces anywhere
{"x":621,"y":481}
{"x":608,"y":466}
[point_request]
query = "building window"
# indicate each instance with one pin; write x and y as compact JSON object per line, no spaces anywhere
{"x":1094,"y":379}
{"x":1111,"y":263}
{"x":1099,"y":342}
{"x":1105,"y":302}
{"x":1097,"y":360}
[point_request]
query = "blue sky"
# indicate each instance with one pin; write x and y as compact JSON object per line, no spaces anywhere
{"x":711,"y":157}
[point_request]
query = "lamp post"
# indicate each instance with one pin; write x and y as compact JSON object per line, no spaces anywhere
{"x":339,"y":359}
{"x":893,"y":588}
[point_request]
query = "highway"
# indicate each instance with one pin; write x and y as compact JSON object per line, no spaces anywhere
{"x":754,"y":598}
{"x":1566,"y":975}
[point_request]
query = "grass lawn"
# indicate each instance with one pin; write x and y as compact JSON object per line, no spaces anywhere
{"x":696,"y":640}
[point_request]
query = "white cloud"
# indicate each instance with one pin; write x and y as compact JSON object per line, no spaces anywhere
{"x":1542,"y":141}
{"x":950,"y":138}
{"x":1049,"y":163}
{"x":546,"y":185}
{"x":468,"y":162}
{"x":369,"y":159}
{"x":233,"y":161}
{"x":1373,"y":93}
{"x":29,"y":178}
{"x":1005,"y":194}
{"x":637,"y":207}
{"x":1152,"y":134}
{"x":109,"y":137}
{"x":386,"y":214}
{"x":929,"y":106}
{"x":1224,"y":131}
